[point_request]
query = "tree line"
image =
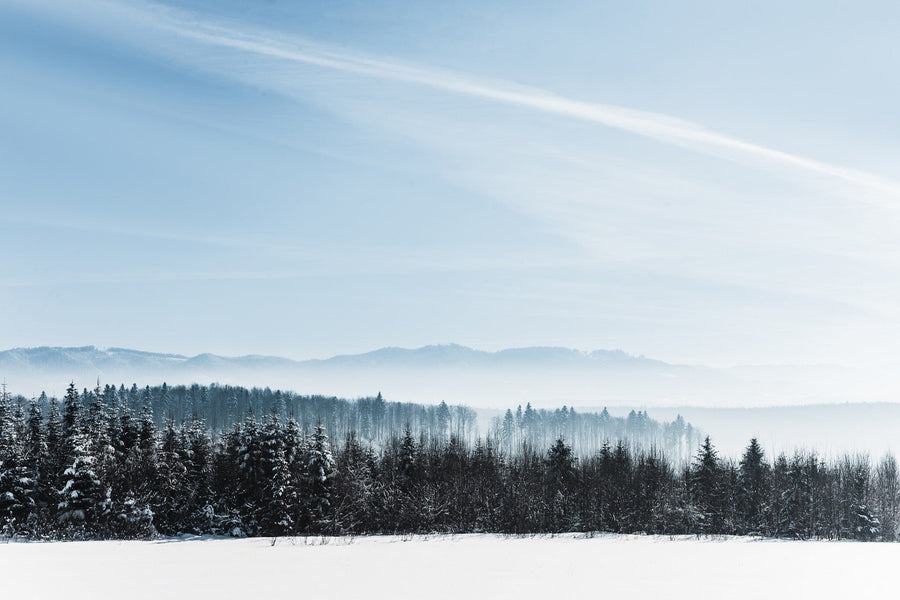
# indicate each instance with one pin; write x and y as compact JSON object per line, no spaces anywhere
{"x":375,"y":420}
{"x":91,"y":467}
{"x":587,"y":432}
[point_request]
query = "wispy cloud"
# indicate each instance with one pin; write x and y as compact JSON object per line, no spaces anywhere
{"x":644,"y":123}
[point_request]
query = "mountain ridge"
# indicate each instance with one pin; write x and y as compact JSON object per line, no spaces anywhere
{"x":434,"y":355}
{"x":545,"y":376}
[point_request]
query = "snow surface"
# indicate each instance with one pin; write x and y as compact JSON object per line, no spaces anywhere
{"x":468,"y":567}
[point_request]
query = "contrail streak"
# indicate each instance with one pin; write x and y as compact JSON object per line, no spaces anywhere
{"x":649,"y":124}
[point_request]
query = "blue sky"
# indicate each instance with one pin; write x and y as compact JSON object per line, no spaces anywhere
{"x":699,"y":182}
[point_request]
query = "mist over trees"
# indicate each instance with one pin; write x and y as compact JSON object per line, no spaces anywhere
{"x":375,"y":420}
{"x":134,"y":463}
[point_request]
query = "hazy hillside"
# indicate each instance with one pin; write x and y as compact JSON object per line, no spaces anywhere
{"x":829,"y":429}
{"x":544,"y":376}
{"x":429,"y":373}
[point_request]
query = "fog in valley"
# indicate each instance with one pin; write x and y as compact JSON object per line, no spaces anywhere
{"x":828,"y":409}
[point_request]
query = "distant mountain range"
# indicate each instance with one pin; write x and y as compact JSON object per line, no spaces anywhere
{"x":435,"y":356}
{"x":545,"y":376}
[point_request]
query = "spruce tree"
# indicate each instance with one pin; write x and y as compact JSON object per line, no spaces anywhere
{"x":407,"y":460}
{"x":320,"y":469}
{"x":16,"y":496}
{"x":16,"y":481}
{"x":169,"y":498}
{"x":562,"y":478}
{"x":753,"y":489}
{"x":198,"y":465}
{"x":81,"y":499}
{"x":706,"y":488}
{"x":278,"y":505}
{"x":71,"y":422}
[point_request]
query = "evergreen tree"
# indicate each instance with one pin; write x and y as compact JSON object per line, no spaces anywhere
{"x":198,"y":464}
{"x":706,"y":488}
{"x":753,"y":489}
{"x":562,"y":480}
{"x":82,"y":500}
{"x":443,"y":420}
{"x":320,"y":468}
{"x":16,"y":496}
{"x":279,"y":495}
{"x":887,"y":494}
{"x":16,"y":482}
{"x":355,"y":486}
{"x":407,"y":460}
{"x":169,"y":500}
{"x":57,"y":454}
{"x":71,"y":423}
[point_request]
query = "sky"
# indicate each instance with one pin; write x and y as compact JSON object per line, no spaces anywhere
{"x":698,"y":182}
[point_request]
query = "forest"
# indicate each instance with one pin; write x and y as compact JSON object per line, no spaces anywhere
{"x":117,"y":463}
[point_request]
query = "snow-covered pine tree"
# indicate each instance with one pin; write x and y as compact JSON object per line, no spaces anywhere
{"x":562,"y":478}
{"x":706,"y":488}
{"x":863,"y":524}
{"x":145,"y":458}
{"x":198,"y":464}
{"x":887,"y":496}
{"x":169,"y":498}
{"x":164,"y":407}
{"x":753,"y":489}
{"x":16,"y":482}
{"x":35,"y":459}
{"x":320,"y":469}
{"x":57,"y":455}
{"x":278,"y":502}
{"x":408,"y":460}
{"x":81,"y":499}
{"x":249,"y":472}
{"x":100,"y":428}
{"x":126,"y":449}
{"x":130,"y":513}
{"x":354,"y":486}
{"x":225,"y":510}
{"x":71,"y":421}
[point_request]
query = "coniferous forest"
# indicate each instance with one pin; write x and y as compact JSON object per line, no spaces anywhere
{"x":129,"y":463}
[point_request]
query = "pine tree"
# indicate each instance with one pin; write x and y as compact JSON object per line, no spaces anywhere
{"x":250,"y":473}
{"x":320,"y":469}
{"x":16,"y":482}
{"x":100,"y":428}
{"x":165,"y":403}
{"x":887,"y":494}
{"x":864,"y":525}
{"x":507,"y":431}
{"x":198,"y":465}
{"x":133,"y":482}
{"x":57,"y":453}
{"x":35,"y":458}
{"x":355,"y":486}
{"x":407,"y":460}
{"x":81,"y":504}
{"x":16,"y":496}
{"x":443,"y":420}
{"x":279,"y":506}
{"x":753,"y":488}
{"x":562,"y":480}
{"x":706,"y":488}
{"x":169,"y":498}
{"x":71,"y":412}
{"x":145,"y":457}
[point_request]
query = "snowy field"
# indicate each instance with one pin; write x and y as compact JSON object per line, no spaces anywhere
{"x":468,"y":567}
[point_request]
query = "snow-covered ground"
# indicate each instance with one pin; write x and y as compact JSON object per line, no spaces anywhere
{"x":460,"y":567}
